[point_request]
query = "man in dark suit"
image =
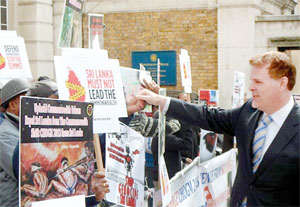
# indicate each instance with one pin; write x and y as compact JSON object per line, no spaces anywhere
{"x":194,"y":134}
{"x":266,"y":128}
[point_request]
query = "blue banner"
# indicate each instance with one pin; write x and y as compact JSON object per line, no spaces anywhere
{"x":149,"y":60}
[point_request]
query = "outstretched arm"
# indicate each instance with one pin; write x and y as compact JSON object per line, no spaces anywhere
{"x":151,"y":98}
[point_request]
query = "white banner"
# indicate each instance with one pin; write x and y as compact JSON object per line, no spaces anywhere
{"x":125,"y":167}
{"x":203,"y":185}
{"x":13,"y":59}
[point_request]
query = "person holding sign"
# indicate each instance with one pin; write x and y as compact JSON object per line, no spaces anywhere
{"x":99,"y":185}
{"x":266,"y":129}
{"x":9,"y":137}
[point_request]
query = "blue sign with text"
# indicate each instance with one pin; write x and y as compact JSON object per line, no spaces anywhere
{"x":149,"y":61}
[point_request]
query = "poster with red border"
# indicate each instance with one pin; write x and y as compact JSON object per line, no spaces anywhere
{"x":208,"y":97}
{"x":56,"y":151}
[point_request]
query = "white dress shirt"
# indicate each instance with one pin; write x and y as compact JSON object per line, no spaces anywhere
{"x":278,"y":119}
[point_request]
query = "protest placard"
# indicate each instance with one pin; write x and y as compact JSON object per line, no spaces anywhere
{"x":13,"y":58}
{"x":57,"y":151}
{"x":208,"y":97}
{"x":238,"y":89}
{"x":165,"y":186}
{"x":208,"y":144}
{"x":88,"y":79}
{"x":206,"y":185}
{"x":132,"y":80}
{"x":185,"y":69}
{"x":96,"y":31}
{"x":71,"y":24}
{"x":161,"y":127}
{"x":125,"y":167}
{"x":81,"y":76}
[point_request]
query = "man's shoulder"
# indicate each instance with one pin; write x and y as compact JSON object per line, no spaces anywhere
{"x":6,"y":127}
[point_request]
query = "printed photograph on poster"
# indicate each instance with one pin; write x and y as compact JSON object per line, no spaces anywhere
{"x":96,"y":31}
{"x":13,"y":59}
{"x":208,"y":144}
{"x":71,"y":24}
{"x":57,"y":152}
{"x":132,"y":81}
{"x":208,"y":97}
{"x":87,"y":79}
{"x":125,"y":167}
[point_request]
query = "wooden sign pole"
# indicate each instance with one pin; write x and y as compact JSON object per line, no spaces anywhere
{"x":98,"y":153}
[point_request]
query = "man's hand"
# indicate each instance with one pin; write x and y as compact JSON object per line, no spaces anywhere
{"x":188,"y":160}
{"x":99,"y":185}
{"x":151,"y":98}
{"x":152,"y":86}
{"x":135,"y":105}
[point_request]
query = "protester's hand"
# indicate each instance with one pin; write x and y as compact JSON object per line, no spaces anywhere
{"x":152,"y":86}
{"x":135,"y":105}
{"x":151,"y":98}
{"x":188,"y":160}
{"x":99,"y":185}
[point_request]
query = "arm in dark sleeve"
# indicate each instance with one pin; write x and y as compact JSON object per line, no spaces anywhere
{"x":213,"y":119}
{"x":181,"y":140}
{"x":91,"y":201}
{"x":15,"y":162}
{"x":175,"y":143}
{"x":126,"y":120}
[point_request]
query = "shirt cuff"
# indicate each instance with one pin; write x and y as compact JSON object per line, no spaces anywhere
{"x":166,"y":106}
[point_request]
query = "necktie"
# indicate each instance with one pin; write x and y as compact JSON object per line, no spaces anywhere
{"x":259,"y":140}
{"x":257,"y":145}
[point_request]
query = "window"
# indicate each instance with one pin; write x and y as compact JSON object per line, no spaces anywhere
{"x":3,"y":15}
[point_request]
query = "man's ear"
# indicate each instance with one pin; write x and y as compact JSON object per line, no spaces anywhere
{"x":284,"y":83}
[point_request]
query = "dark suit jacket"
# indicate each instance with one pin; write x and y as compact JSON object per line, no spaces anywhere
{"x":276,"y":181}
{"x":181,"y":140}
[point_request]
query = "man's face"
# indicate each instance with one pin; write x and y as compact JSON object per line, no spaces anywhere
{"x":264,"y":89}
{"x":183,"y":96}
